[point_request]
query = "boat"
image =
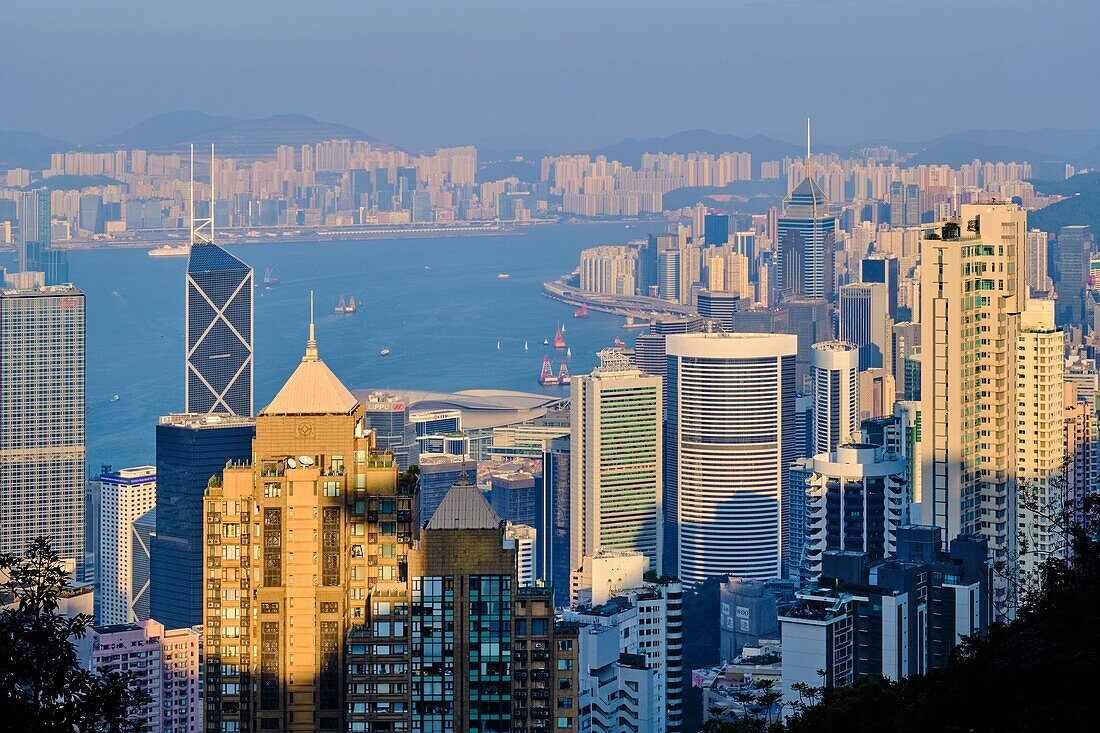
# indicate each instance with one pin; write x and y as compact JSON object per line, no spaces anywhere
{"x":503,"y":276}
{"x":568,"y":353}
{"x":384,"y":352}
{"x":547,"y":378}
{"x":581,"y":312}
{"x":559,"y":341}
{"x":269,"y":280}
{"x":525,"y":346}
{"x":169,"y":251}
{"x":563,"y":375}
{"x":348,"y":307}
{"x":545,"y":342}
{"x":498,"y":346}
{"x":116,"y":398}
{"x":563,"y":328}
{"x":619,"y":343}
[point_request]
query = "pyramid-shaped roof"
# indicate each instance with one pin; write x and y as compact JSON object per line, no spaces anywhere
{"x":807,"y":194}
{"x":312,"y":389}
{"x":464,"y":507}
{"x":206,"y":257}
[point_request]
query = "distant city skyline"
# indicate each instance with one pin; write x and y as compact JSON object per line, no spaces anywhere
{"x":557,"y":76}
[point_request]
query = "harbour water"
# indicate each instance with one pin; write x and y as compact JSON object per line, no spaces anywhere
{"x":437,"y":304}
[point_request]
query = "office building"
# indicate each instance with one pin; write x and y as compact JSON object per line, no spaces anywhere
{"x":812,"y":322}
{"x":141,"y":565}
{"x":906,"y":350}
{"x":865,"y":321}
{"x":716,"y":229}
{"x":388,"y":415}
{"x":857,"y":499}
{"x":126,"y":496}
{"x":287,"y":646}
{"x":723,"y":506}
{"x":191,"y":450}
{"x":616,"y":499}
{"x":1040,"y":433}
{"x":42,"y":421}
{"x":973,"y":291}
{"x":438,"y":473}
{"x":718,"y":307}
{"x":877,"y":392}
{"x":218,"y":332}
{"x":1073,"y":257}
{"x":888,"y":619}
{"x":905,"y":206}
{"x":806,"y":238}
{"x":883,"y":268}
{"x":835,"y":394}
{"x":750,"y":612}
{"x":515,"y":495}
{"x":552,"y":558}
{"x":35,"y":245}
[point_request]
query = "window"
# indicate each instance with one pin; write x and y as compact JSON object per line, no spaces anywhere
{"x":564,"y":722}
{"x":564,"y":664}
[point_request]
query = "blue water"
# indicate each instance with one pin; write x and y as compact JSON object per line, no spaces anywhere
{"x":436,"y":303}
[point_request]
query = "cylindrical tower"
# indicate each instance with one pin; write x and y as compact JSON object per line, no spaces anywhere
{"x":730,"y":436}
{"x":835,"y":374}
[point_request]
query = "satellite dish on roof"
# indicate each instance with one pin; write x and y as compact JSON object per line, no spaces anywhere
{"x":291,"y":463}
{"x":305,"y":461}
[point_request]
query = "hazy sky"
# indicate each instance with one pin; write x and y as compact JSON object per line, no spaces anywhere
{"x":556,"y":74}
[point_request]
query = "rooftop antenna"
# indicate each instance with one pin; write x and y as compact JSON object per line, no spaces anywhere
{"x":311,"y":345}
{"x":202,"y":229}
{"x":809,"y":159}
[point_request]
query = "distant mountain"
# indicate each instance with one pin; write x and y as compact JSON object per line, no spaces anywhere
{"x":232,"y":136}
{"x":1050,"y":142}
{"x":704,"y":141}
{"x":28,"y":149}
{"x":1082,"y":206}
{"x":954,"y":153}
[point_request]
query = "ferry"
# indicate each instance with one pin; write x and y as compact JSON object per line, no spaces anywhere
{"x":581,"y":312}
{"x":384,"y":352}
{"x":503,"y":276}
{"x":169,"y":251}
{"x":269,"y":280}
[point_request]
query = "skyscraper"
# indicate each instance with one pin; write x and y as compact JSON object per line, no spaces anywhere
{"x":865,"y":321}
{"x":333,"y":532}
{"x":191,"y":449}
{"x":973,"y":291}
{"x":835,"y":394}
{"x":42,"y":422}
{"x":806,"y":239}
{"x":882,"y":268}
{"x":126,"y":496}
{"x":716,"y":229}
{"x":616,"y":454}
{"x":1073,"y":256}
{"x":218,"y":332}
{"x":729,"y":439}
{"x":388,"y":415}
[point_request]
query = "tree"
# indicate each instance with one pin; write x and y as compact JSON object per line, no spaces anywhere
{"x":42,"y":686}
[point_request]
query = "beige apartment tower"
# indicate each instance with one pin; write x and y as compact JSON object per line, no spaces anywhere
{"x":973,"y":290}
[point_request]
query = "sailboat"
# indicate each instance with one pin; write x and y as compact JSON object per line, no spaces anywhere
{"x":525,"y":346}
{"x":559,"y":341}
{"x":568,"y":353}
{"x":498,"y":346}
{"x":546,"y":342}
{"x":563,"y":328}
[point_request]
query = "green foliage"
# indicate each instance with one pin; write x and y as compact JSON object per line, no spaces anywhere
{"x":42,"y":686}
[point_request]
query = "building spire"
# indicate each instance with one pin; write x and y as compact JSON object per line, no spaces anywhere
{"x":809,"y":158}
{"x":311,"y":345}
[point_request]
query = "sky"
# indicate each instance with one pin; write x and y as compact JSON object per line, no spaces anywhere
{"x":561,"y":75}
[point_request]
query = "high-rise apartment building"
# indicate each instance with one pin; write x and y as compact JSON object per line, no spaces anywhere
{"x":835,"y":394}
{"x":806,"y":237}
{"x":218,"y":332}
{"x":857,"y":499}
{"x":904,"y":204}
{"x":125,"y":496}
{"x":1080,"y":435}
{"x":191,"y":449}
{"x":42,"y":420}
{"x":616,"y":461}
{"x":973,"y":290}
{"x":1038,"y":262}
{"x":729,"y":439}
{"x":865,"y":321}
{"x":1040,"y":441}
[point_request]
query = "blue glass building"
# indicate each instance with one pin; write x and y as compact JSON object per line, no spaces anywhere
{"x":218,"y":332}
{"x":190,"y":449}
{"x":807,"y":240}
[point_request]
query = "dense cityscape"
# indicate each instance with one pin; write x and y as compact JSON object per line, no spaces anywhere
{"x":814,"y":443}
